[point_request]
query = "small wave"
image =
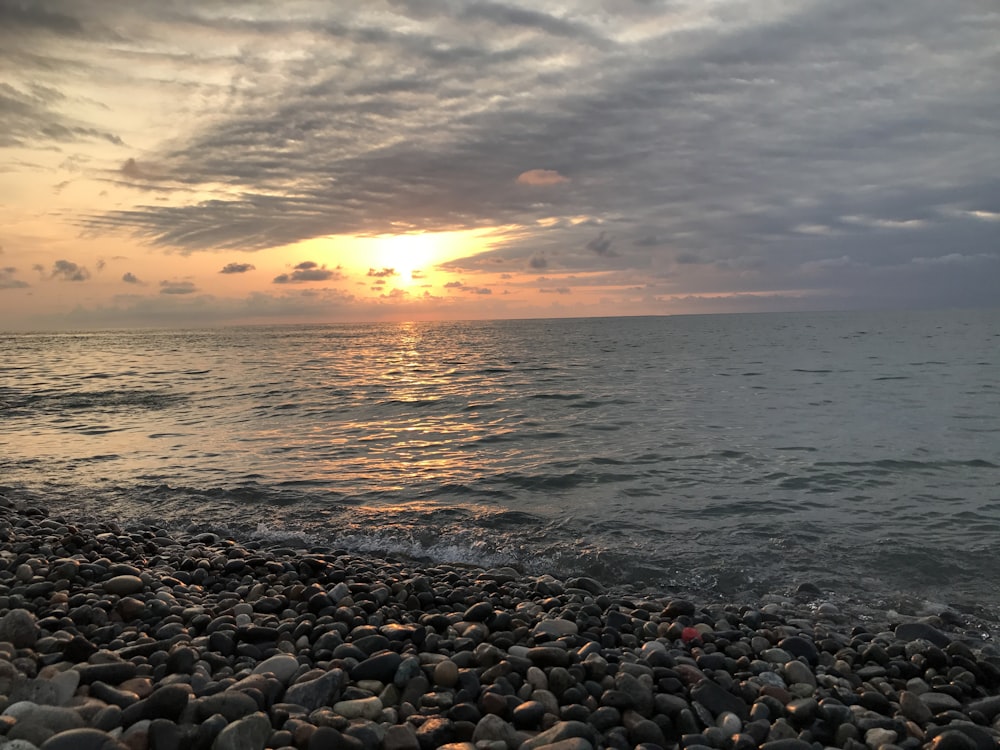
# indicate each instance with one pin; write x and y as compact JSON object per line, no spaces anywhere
{"x":57,"y":402}
{"x":557,"y":396}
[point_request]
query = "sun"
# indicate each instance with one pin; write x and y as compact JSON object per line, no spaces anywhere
{"x":408,"y":255}
{"x":397,"y":261}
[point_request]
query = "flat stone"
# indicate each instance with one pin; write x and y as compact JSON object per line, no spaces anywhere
{"x":56,"y":691}
{"x":361,"y":708}
{"x":787,"y":744}
{"x":83,"y":738}
{"x":38,"y":723}
{"x":556,"y":628}
{"x":563,"y":730}
{"x":796,"y":671}
{"x":436,"y":731}
{"x":573,"y":743}
{"x":639,"y":694}
{"x":312,"y":694}
{"x":542,"y":656}
{"x":113,"y":673}
{"x":913,"y":708}
{"x":952,"y":740}
{"x":717,"y":699}
{"x":400,"y":737}
{"x":938,"y":702}
{"x":877,"y":736}
{"x":249,"y":733}
{"x":590,"y":585}
{"x":381,"y":666}
{"x":983,"y":737}
{"x":913,"y":631}
{"x":123,"y":585}
{"x":282,"y":666}
{"x":231,"y":705}
{"x":491,"y":728}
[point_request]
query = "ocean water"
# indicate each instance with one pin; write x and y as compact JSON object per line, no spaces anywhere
{"x":728,"y":455}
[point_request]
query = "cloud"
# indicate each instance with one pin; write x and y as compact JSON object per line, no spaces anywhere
{"x":66,"y":270}
{"x":238,"y":268}
{"x":382,"y":273}
{"x":30,"y":118}
{"x":177,"y":287}
{"x":601,"y":245}
{"x":307,"y":271}
{"x":130,"y":278}
{"x":7,"y":280}
{"x":555,"y":290}
{"x":755,"y":142}
{"x":538,"y":262}
{"x":28,"y":17}
{"x":541,"y":177}
{"x":461,"y":286}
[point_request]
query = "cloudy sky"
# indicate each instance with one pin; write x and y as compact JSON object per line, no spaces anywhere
{"x":165,"y":162}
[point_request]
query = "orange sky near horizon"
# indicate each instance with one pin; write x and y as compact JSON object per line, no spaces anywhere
{"x":224,"y":163}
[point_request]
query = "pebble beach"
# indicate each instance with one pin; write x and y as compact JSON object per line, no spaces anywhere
{"x":132,"y":638}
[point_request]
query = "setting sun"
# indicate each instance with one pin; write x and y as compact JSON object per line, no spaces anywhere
{"x":409,"y":255}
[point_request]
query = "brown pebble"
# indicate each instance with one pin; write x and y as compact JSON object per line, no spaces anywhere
{"x":446,"y":673}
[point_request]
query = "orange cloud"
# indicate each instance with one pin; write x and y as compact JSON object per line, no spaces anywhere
{"x":541,"y":177}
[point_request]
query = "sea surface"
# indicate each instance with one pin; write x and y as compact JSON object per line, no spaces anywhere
{"x":731,"y":455}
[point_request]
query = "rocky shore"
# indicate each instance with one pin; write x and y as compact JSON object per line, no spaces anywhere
{"x":115,"y":638}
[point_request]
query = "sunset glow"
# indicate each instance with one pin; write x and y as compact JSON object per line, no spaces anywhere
{"x":226,"y":163}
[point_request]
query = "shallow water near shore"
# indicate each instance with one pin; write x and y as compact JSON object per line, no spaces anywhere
{"x":859,"y":452}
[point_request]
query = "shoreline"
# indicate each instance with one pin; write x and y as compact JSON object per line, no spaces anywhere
{"x":140,"y":638}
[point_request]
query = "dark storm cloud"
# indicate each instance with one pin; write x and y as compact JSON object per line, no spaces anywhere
{"x":237,"y":268}
{"x":750,"y":140}
{"x":67,"y":270}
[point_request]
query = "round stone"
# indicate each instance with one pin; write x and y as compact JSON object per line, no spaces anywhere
{"x":446,"y":673}
{"x":20,"y":628}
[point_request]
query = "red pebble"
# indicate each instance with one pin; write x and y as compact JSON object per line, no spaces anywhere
{"x":690,"y":634}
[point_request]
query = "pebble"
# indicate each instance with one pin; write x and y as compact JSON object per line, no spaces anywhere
{"x":217,"y":644}
{"x":248,"y":733}
{"x":361,"y":708}
{"x":123,"y":585}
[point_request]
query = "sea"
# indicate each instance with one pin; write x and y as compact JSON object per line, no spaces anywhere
{"x":728,"y":455}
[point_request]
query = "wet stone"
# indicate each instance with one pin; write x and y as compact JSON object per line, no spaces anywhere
{"x":938,"y":702}
{"x":952,"y":740}
{"x":912,"y":631}
{"x":19,"y":627}
{"x":718,"y":700}
{"x":123,"y":585}
{"x":799,"y":646}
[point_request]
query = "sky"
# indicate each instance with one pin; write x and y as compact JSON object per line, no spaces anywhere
{"x":172,"y":163}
